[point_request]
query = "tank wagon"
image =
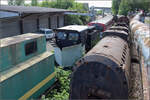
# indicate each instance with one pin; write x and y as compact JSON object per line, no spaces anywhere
{"x":121,"y":21}
{"x":26,"y":68}
{"x":122,"y":18}
{"x":104,"y":72}
{"x":122,"y":24}
{"x":141,"y":35}
{"x":120,"y":33}
{"x":120,"y":28}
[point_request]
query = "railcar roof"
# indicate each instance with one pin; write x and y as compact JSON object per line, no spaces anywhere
{"x":31,"y":9}
{"x":78,"y":28}
{"x":19,"y":38}
{"x":104,"y":20}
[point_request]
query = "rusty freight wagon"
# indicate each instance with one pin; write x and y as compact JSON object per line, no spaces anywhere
{"x":26,"y":69}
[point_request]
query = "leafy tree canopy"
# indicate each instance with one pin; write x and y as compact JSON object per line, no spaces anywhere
{"x":70,"y":5}
{"x":34,"y":3}
{"x":123,"y":6}
{"x":115,"y":6}
{"x":19,"y":2}
{"x":16,"y":2}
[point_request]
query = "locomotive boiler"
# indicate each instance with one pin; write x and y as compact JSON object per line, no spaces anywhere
{"x":104,"y":72}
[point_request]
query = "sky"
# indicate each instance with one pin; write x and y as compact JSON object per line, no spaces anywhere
{"x":96,"y":3}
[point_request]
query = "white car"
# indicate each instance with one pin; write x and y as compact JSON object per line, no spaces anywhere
{"x":49,"y":34}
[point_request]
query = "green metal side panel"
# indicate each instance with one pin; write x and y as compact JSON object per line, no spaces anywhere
{"x":43,"y":89}
{"x":14,"y":54}
{"x":69,"y":55}
{"x":17,"y":85}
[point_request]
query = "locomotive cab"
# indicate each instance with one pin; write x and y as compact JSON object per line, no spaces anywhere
{"x":66,"y":38}
{"x":70,"y":41}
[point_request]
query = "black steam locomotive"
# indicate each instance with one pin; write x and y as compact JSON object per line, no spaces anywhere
{"x":104,"y":72}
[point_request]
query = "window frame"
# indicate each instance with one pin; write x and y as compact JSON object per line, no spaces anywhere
{"x":30,"y":48}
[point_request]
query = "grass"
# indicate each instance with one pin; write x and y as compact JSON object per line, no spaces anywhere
{"x":61,"y":91}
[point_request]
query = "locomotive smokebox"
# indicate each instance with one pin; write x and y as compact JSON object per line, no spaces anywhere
{"x":94,"y":80}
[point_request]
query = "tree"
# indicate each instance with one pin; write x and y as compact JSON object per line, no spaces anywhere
{"x":115,"y":6}
{"x":19,"y":2}
{"x":70,"y":5}
{"x":100,"y":12}
{"x":139,"y":4}
{"x":64,"y":4}
{"x":11,"y":2}
{"x":34,"y":3}
{"x":73,"y":20}
{"x":146,"y":5}
{"x":124,"y":7}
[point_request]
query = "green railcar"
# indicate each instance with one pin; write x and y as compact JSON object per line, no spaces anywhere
{"x":26,"y":68}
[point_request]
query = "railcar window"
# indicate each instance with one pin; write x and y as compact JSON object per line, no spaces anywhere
{"x":73,"y":36}
{"x":30,"y":48}
{"x":61,"y":35}
{"x":49,"y":32}
{"x":98,"y":27}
